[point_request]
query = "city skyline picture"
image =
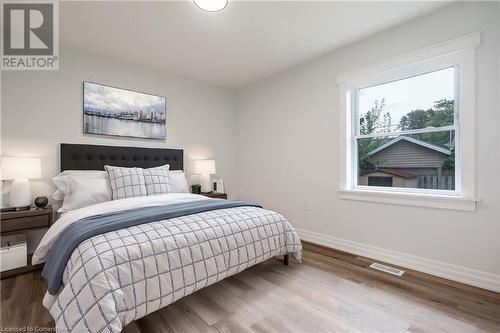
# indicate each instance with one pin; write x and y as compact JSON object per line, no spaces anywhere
{"x":121,"y":112}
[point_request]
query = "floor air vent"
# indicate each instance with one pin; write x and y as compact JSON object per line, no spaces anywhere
{"x":387,"y":269}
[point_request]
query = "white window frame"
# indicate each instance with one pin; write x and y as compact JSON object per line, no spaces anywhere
{"x":459,"y":53}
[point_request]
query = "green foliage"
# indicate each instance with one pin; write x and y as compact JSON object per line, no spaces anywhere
{"x":444,"y":113}
{"x":415,"y":119}
{"x":449,"y":163}
{"x":441,"y":114}
{"x":196,"y":189}
{"x":374,"y":121}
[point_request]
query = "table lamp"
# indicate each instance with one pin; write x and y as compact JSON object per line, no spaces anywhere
{"x":205,"y":168}
{"x":20,"y":169}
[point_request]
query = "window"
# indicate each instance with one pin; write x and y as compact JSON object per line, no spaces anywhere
{"x":407,"y":128}
{"x":380,"y":181}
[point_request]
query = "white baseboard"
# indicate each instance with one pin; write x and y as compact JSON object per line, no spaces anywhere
{"x":457,"y":273}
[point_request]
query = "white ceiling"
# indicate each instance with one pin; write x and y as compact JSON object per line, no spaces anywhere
{"x":245,"y":42}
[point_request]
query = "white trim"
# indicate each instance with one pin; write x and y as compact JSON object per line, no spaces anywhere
{"x":395,"y":196}
{"x":412,"y":140}
{"x":408,"y":132}
{"x":459,"y":53}
{"x":421,"y":192}
{"x":471,"y":40}
{"x":448,"y":271}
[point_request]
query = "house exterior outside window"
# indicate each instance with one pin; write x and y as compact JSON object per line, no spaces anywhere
{"x":410,"y":163}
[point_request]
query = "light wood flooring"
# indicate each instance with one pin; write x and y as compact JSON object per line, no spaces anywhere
{"x":331,"y":291}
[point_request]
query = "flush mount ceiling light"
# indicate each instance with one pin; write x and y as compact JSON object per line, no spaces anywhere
{"x":211,"y":5}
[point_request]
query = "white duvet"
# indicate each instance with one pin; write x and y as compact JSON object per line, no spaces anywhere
{"x":117,"y":277}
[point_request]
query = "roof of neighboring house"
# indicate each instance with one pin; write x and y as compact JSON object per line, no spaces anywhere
{"x":412,"y":140}
{"x":393,"y":172}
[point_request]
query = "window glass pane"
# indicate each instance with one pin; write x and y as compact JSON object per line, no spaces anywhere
{"x":425,"y":161}
{"x":417,"y":102}
{"x":379,"y":181}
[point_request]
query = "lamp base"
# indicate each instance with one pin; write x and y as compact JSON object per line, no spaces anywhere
{"x":20,"y":193}
{"x":206,"y":184}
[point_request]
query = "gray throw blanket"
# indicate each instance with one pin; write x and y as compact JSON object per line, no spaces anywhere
{"x":92,"y":226}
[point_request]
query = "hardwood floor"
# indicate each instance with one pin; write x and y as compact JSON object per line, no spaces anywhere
{"x":331,"y":291}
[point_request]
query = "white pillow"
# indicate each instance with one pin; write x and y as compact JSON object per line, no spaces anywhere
{"x":63,"y":180}
{"x":85,"y":191}
{"x":178,"y":181}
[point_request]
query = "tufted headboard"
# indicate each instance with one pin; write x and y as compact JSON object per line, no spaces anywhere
{"x":94,"y":157}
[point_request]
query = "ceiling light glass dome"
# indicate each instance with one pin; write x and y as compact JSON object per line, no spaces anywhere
{"x":211,"y":5}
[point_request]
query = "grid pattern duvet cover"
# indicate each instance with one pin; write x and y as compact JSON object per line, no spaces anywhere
{"x":117,"y":277}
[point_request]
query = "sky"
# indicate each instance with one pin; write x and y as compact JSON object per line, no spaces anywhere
{"x":403,"y":96}
{"x":116,"y":100}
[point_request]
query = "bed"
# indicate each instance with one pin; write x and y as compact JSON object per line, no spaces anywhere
{"x":113,"y":262}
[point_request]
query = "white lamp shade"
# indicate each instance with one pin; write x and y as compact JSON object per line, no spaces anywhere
{"x":21,"y":167}
{"x":204,"y":167}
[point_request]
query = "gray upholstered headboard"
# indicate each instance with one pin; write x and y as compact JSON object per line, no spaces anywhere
{"x":94,"y":157}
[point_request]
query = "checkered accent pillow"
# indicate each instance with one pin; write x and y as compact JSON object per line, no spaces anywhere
{"x":126,"y":182}
{"x":158,"y":180}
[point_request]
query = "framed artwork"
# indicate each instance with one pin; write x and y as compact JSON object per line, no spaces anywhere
{"x":121,"y":112}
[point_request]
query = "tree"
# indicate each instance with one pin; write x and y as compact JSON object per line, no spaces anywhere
{"x":371,"y":122}
{"x":444,"y":113}
{"x":387,"y":122}
{"x":441,"y":114}
{"x":374,"y":121}
{"x":415,"y":119}
{"x":449,"y":163}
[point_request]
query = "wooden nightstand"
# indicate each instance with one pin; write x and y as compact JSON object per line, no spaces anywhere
{"x":215,"y":195}
{"x":20,"y":222}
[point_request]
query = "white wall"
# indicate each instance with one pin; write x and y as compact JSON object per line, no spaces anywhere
{"x":41,"y":109}
{"x":288,"y":154}
{"x":285,"y":141}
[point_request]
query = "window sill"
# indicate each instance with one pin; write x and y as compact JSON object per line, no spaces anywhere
{"x":410,"y":199}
